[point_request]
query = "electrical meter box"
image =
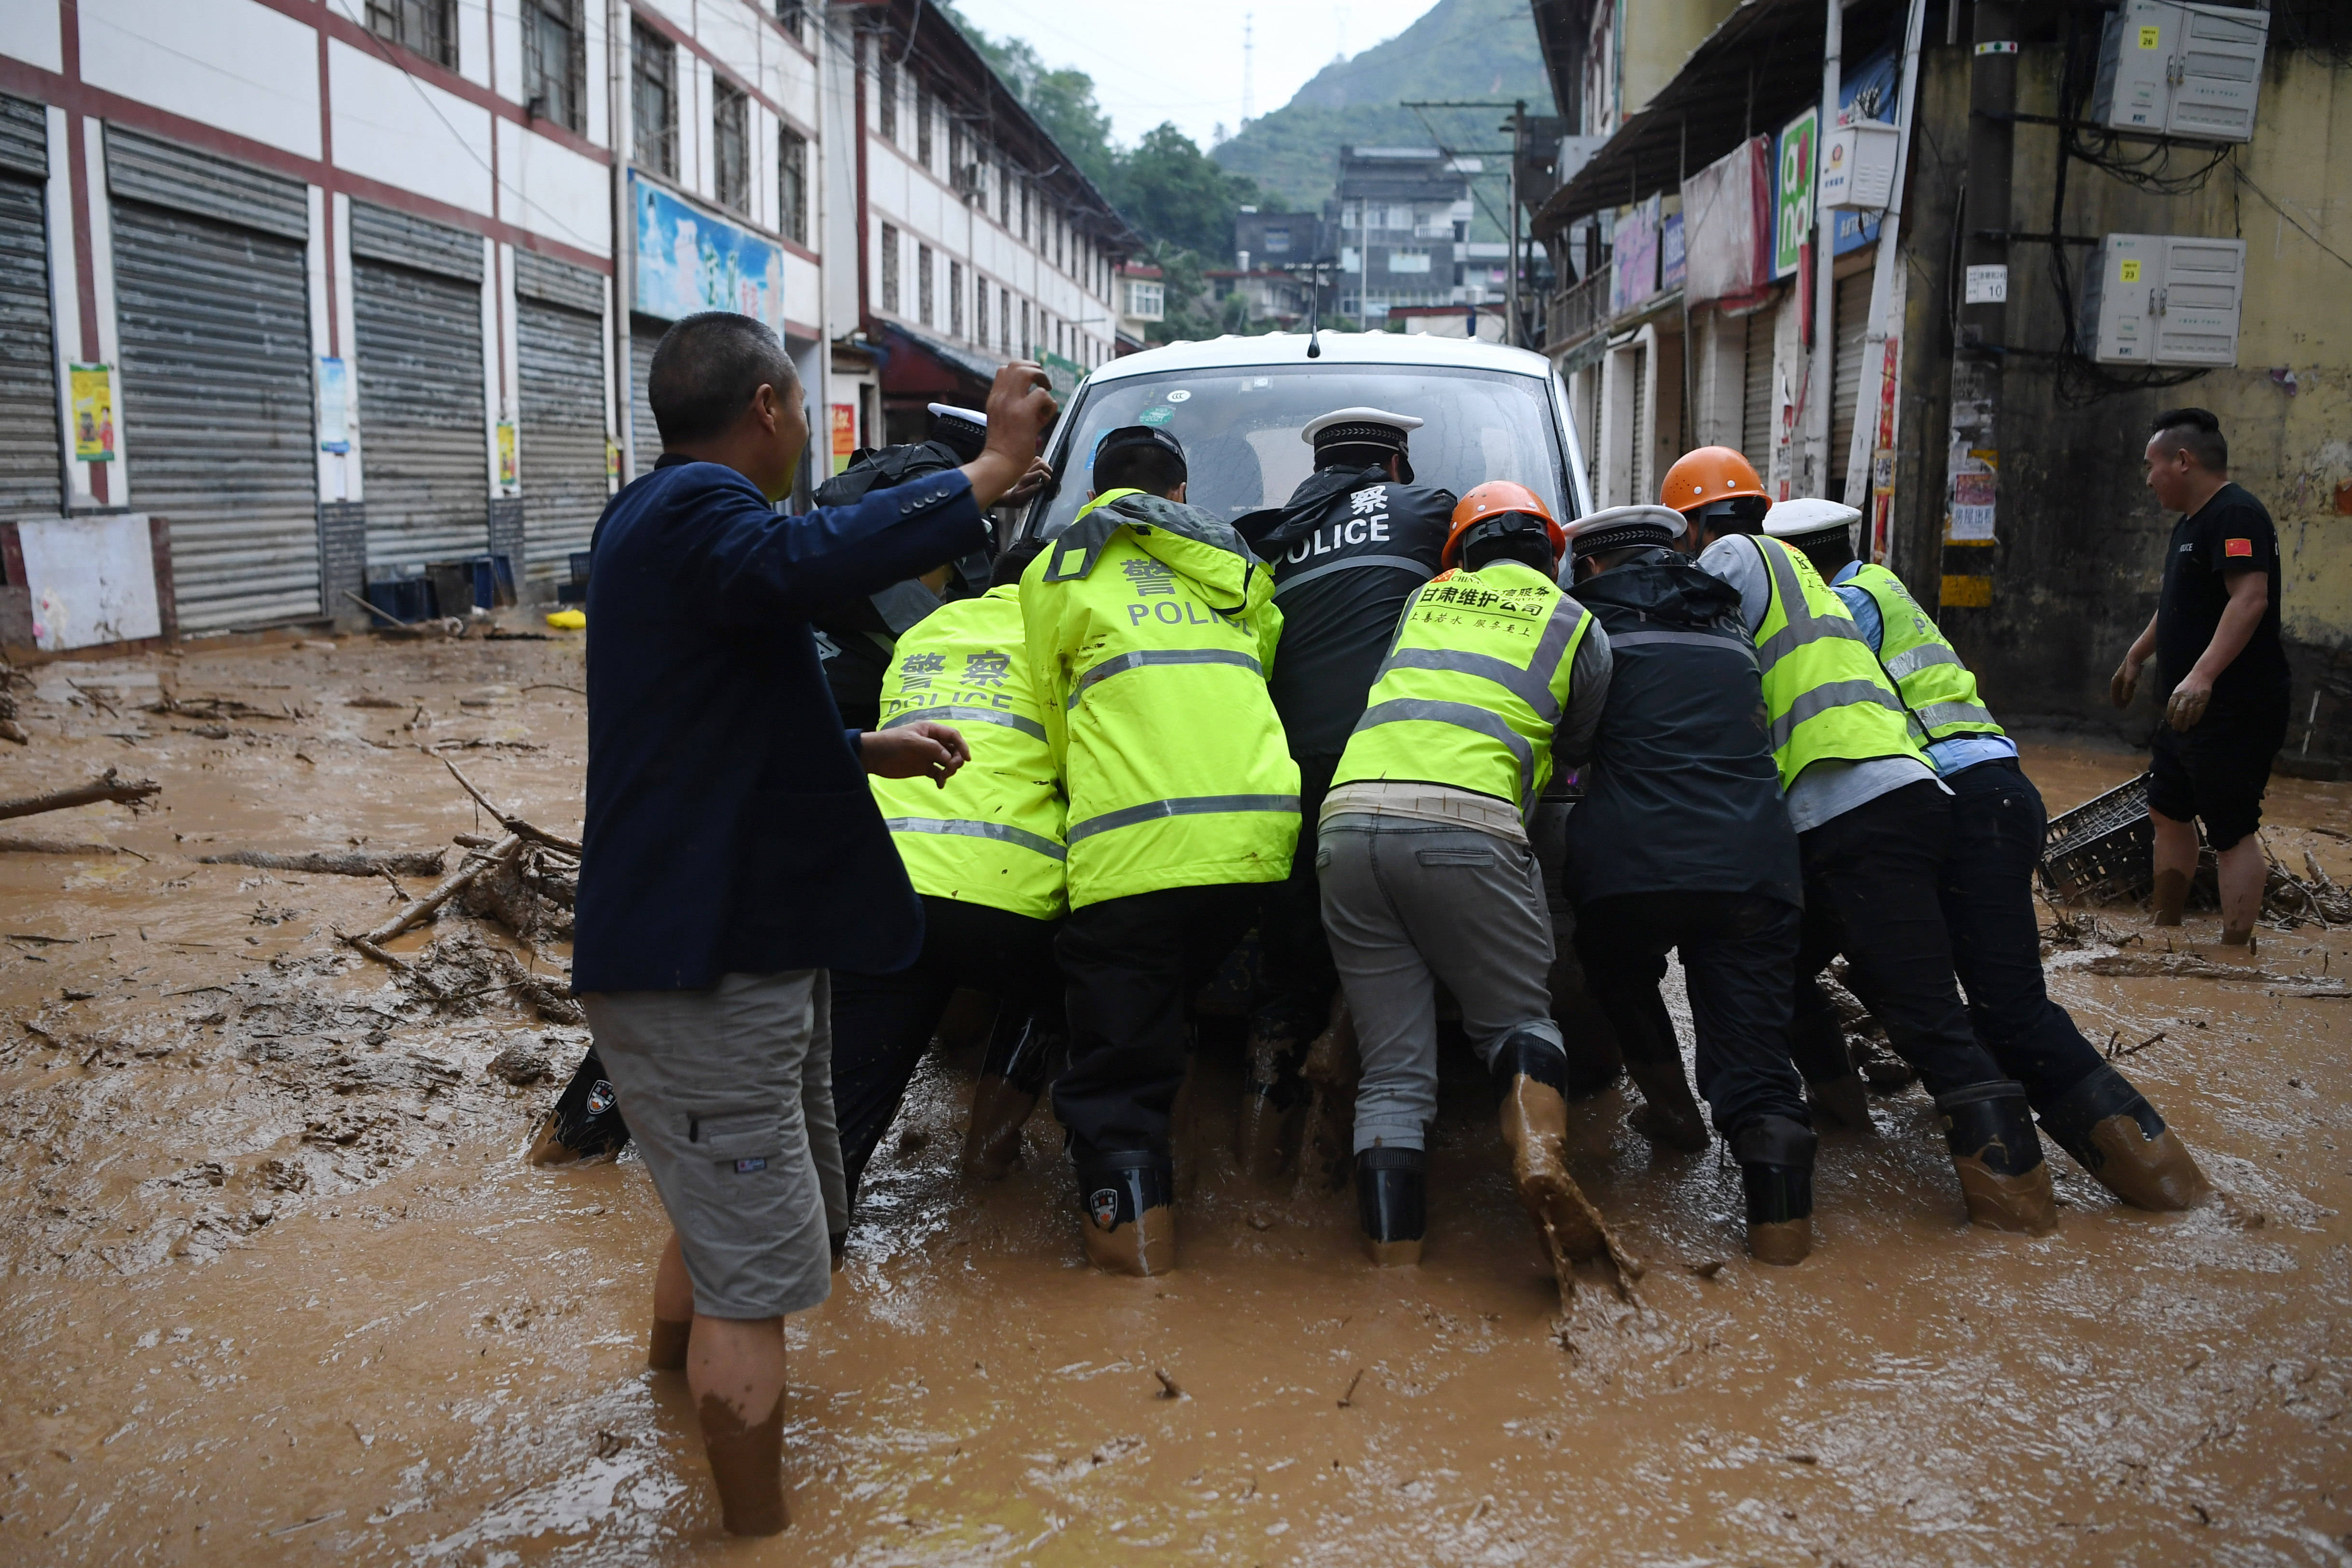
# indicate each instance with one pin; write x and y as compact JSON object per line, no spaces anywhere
{"x":2185,"y":70}
{"x":1858,"y":165}
{"x":2160,"y":299}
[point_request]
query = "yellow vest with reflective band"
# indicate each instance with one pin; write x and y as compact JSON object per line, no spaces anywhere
{"x":993,"y":835}
{"x":1928,"y":674}
{"x":1151,"y":674}
{"x":1473,"y":686}
{"x":1824,"y":695}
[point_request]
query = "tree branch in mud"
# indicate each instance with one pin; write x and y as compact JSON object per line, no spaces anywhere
{"x":404,"y":862}
{"x":507,"y":820}
{"x":423,"y":909}
{"x":107,"y":786}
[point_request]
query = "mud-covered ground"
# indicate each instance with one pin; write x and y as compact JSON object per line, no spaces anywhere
{"x":280,"y":1288}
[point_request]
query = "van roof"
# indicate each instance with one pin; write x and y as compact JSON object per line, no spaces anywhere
{"x":1405,"y":348}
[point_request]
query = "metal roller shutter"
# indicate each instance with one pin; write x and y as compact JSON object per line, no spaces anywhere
{"x":1637,"y":452}
{"x":416,"y":304}
{"x":643,"y":333}
{"x":1756,"y":392}
{"x":211,"y":301}
{"x":559,"y":336}
{"x":1853,"y":323}
{"x":31,"y":454}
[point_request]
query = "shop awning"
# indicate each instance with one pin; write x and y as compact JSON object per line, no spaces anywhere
{"x":920,"y":365}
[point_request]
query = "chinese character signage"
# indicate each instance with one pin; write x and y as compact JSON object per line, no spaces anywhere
{"x":689,"y":260}
{"x":845,"y":434}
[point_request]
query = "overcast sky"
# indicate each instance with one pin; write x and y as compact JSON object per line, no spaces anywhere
{"x":1181,"y":60}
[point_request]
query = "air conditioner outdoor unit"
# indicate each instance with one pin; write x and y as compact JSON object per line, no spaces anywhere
{"x":2163,"y":299}
{"x":2177,"y":70}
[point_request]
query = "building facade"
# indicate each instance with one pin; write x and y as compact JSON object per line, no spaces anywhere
{"x":1400,"y":220}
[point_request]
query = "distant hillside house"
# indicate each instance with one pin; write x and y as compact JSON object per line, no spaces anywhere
{"x":1401,"y":219}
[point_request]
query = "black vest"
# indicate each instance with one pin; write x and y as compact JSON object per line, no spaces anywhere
{"x":1681,"y":795}
{"x":1347,"y":550}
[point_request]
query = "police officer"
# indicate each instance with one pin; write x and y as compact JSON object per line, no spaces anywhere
{"x":1427,"y":876}
{"x":1874,"y":829}
{"x":856,"y":637}
{"x":1150,"y":628}
{"x":1347,"y":550}
{"x":984,"y":851}
{"x":1681,"y":841}
{"x":1997,"y":824}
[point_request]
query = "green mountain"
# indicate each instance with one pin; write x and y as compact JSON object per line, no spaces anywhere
{"x":1458,"y":49}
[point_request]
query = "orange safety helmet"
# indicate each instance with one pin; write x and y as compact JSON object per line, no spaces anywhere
{"x":1488,"y":504}
{"x":1709,"y":474}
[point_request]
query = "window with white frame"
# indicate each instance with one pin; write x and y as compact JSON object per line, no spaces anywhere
{"x":730,"y":145}
{"x":923,"y":283}
{"x":890,"y":268}
{"x":886,"y":95}
{"x":653,"y":98}
{"x":955,"y":298}
{"x":1147,"y":301}
{"x":792,"y":186}
{"x":554,"y":60}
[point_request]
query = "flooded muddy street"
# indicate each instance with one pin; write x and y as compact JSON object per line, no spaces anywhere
{"x":282,"y":1288}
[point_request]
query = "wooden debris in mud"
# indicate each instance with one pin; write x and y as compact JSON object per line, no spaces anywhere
{"x":508,"y":820}
{"x":1347,"y":1399}
{"x":1167,"y":1389}
{"x":107,"y":786}
{"x":423,"y":909}
{"x":2194,"y":967}
{"x":2290,"y":900}
{"x":352,"y":863}
{"x":10,"y":845}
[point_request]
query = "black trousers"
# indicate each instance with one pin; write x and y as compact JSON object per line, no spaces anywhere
{"x":1130,"y":964}
{"x":1294,"y":996}
{"x":882,"y":1023}
{"x":1736,"y":950}
{"x":1997,"y":821}
{"x":1874,"y":885}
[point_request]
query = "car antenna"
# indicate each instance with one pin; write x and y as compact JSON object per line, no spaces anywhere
{"x":1313,"y":308}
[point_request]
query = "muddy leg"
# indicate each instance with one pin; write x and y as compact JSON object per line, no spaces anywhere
{"x":736,"y":1370}
{"x":673,"y":1310}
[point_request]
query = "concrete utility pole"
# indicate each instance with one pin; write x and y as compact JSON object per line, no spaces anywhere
{"x":1973,"y":458}
{"x":1512,"y":335}
{"x":1821,"y":395}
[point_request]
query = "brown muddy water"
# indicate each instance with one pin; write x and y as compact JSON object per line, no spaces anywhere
{"x":280,"y":1289}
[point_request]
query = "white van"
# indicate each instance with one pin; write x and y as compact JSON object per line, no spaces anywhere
{"x":1238,"y":404}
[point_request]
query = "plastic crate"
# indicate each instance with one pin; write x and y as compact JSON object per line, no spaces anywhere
{"x":2105,"y":849}
{"x":408,"y":599}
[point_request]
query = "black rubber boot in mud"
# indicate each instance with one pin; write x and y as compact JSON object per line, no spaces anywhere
{"x":1274,"y":1100}
{"x":586,"y":1121}
{"x":1834,"y":1092}
{"x":1669,"y":1116}
{"x":2117,"y":1135}
{"x":1998,"y":1156}
{"x":1535,"y":1126}
{"x":1776,"y":1172}
{"x":1021,"y":1057}
{"x":1126,"y":1209}
{"x":1392,"y":1203}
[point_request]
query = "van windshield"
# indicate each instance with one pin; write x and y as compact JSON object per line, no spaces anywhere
{"x":1240,"y":427}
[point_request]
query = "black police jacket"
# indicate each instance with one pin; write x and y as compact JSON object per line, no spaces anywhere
{"x":1347,"y":550}
{"x":1681,"y":795}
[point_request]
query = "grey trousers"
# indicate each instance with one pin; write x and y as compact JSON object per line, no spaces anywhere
{"x":1406,"y":905}
{"x":728,"y":1094}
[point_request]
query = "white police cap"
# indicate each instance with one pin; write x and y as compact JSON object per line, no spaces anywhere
{"x":1811,"y":514}
{"x":1365,"y":426}
{"x":1621,"y":526}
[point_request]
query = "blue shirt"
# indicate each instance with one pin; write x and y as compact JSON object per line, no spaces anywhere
{"x":1959,"y":753}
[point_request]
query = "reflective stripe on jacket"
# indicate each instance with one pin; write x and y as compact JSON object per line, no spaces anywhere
{"x":1151,"y":628}
{"x":1824,"y":695}
{"x":1473,"y":686}
{"x":1940,"y":690}
{"x":993,"y":835}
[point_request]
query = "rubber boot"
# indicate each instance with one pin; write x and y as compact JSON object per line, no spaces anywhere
{"x":1128,"y":1211}
{"x":1392,"y":1203}
{"x":2170,"y":897}
{"x":2116,"y":1135}
{"x":1834,"y":1092}
{"x":584,"y":1122}
{"x":1669,"y":1116}
{"x":1533,"y":1071}
{"x":1776,"y":1172}
{"x":1998,"y":1155}
{"x":1021,"y":1057}
{"x":1273,"y":1101}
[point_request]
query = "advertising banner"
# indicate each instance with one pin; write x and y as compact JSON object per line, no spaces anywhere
{"x":1728,"y":225}
{"x":93,"y":412}
{"x":1794,"y":158}
{"x":689,"y":260}
{"x":845,"y":434}
{"x":1633,"y":258}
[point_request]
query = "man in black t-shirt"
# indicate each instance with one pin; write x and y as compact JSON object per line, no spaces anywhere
{"x":2215,"y":637}
{"x":1349,"y":548}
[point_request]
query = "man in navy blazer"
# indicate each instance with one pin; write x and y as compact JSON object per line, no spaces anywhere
{"x":733,"y":852}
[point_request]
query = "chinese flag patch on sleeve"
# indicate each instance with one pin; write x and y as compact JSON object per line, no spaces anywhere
{"x":2237,"y":546}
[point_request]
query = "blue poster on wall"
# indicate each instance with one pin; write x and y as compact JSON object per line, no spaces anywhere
{"x":689,"y":260}
{"x":1868,"y":92}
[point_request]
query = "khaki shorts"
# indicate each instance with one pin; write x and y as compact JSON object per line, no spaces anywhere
{"x":728,"y":1095}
